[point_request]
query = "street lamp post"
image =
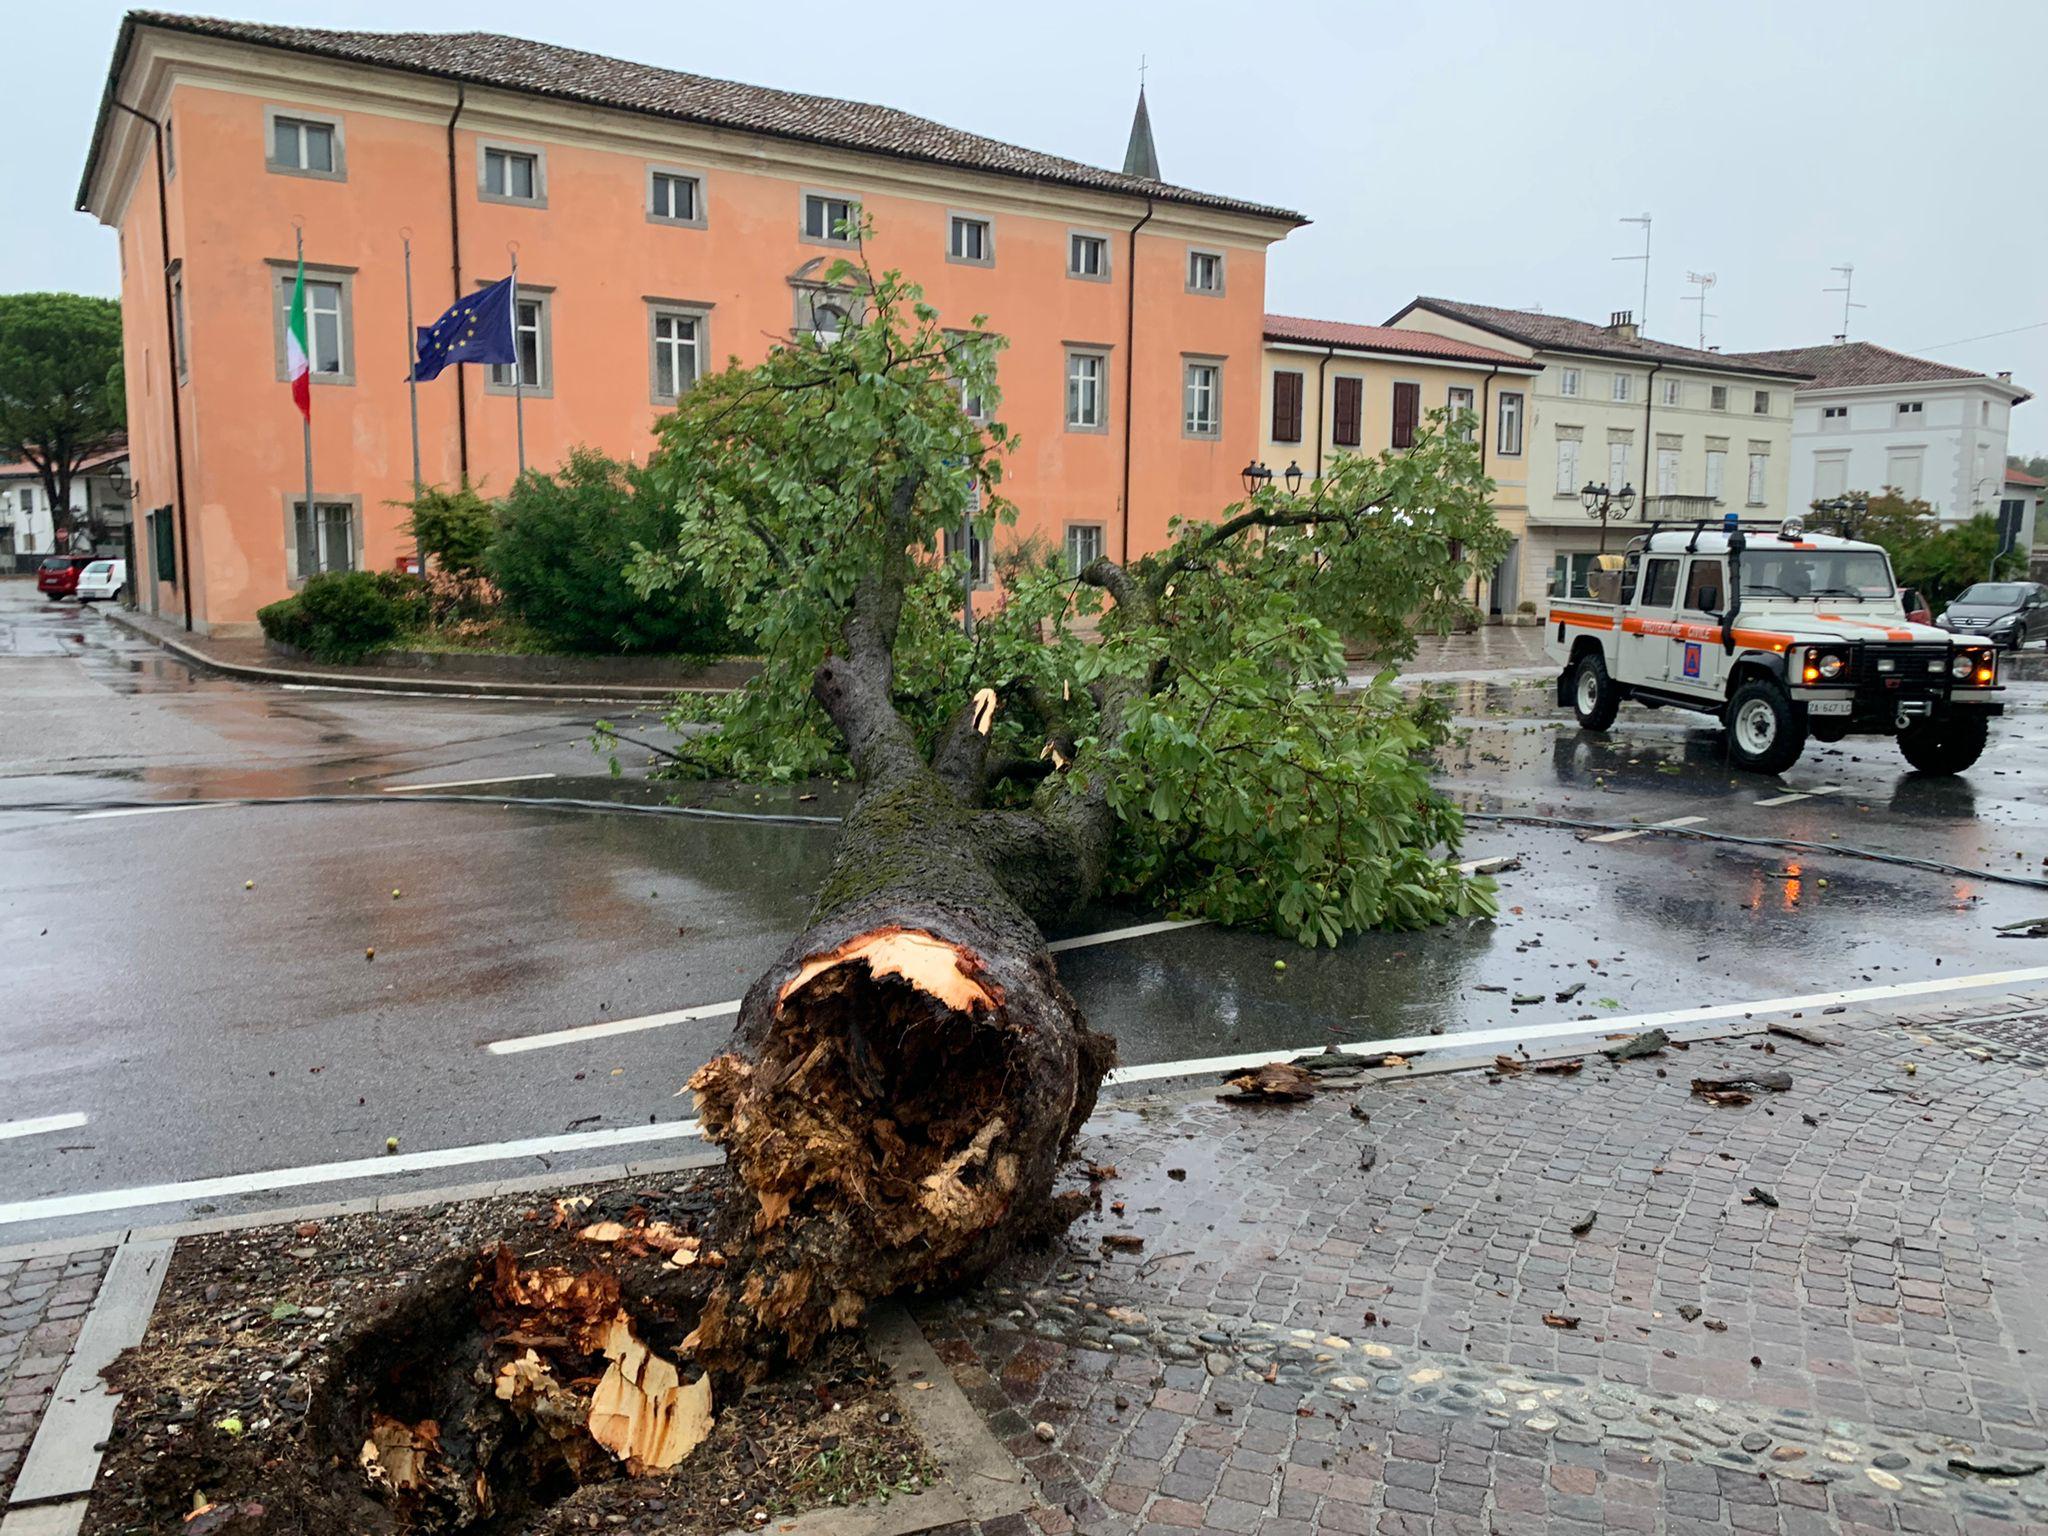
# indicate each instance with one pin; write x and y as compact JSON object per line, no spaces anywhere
{"x":1847,"y":513}
{"x":1600,"y":502}
{"x":1256,"y":478}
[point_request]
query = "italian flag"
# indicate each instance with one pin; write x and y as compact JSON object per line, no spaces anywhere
{"x":295,"y":347}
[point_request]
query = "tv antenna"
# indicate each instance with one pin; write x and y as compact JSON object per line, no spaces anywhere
{"x":1847,"y":271}
{"x":1701,"y":282}
{"x":1642,"y":315}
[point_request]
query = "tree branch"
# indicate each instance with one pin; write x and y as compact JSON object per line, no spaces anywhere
{"x":1254,"y":516}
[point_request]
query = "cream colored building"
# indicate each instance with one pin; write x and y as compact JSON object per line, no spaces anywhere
{"x":1333,"y":388}
{"x":1694,"y":434}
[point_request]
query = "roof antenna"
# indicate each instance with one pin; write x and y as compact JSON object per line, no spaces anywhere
{"x":1643,"y":314}
{"x":1701,"y":281}
{"x":1848,"y":274}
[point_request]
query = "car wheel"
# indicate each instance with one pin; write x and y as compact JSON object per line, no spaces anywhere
{"x":1765,"y":731}
{"x":1945,"y":746}
{"x":1595,"y":698}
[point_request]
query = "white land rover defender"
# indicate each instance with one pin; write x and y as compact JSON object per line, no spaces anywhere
{"x":1779,"y":634}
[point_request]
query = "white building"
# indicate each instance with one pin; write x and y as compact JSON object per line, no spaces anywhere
{"x":1873,"y":418}
{"x":99,"y":494}
{"x":1694,"y":434}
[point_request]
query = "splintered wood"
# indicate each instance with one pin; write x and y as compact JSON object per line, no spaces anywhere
{"x":940,"y":970}
{"x":642,"y":1413}
{"x":397,"y":1454}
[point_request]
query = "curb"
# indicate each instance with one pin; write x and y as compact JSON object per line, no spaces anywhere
{"x":374,"y":682}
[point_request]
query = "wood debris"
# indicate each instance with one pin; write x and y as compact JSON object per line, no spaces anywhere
{"x":1562,"y":1068}
{"x":398,"y":1456}
{"x":1559,"y":1320}
{"x":1277,"y":1082}
{"x":641,"y":1412}
{"x":1648,"y":1043}
{"x":1794,"y":1032}
{"x":1742,"y":1082}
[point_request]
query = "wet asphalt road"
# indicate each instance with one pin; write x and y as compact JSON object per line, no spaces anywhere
{"x":205,"y":1028}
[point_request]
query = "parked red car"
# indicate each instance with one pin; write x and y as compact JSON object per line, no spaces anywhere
{"x":58,"y":576}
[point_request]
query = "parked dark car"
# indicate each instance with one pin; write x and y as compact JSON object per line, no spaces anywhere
{"x":2012,"y":613}
{"x":58,"y":576}
{"x":1917,"y":609}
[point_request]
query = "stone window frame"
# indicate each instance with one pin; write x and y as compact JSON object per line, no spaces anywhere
{"x":544,"y":295}
{"x":176,"y":274}
{"x":1108,"y":255}
{"x":1101,"y":353}
{"x":702,"y":218}
{"x":539,"y":155}
{"x":1188,"y":362}
{"x":1222,"y":271}
{"x":329,"y":120}
{"x":958,"y":216}
{"x":290,"y":501}
{"x":690,"y":309}
{"x":1067,"y":536}
{"x":854,"y":202}
{"x":282,"y":274}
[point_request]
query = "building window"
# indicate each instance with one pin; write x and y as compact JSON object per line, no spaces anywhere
{"x":1568,"y":383}
{"x":530,"y":335}
{"x":1202,"y":400}
{"x":678,"y":340}
{"x":1205,"y":271}
{"x":1287,"y":387}
{"x":509,"y":174}
{"x":1617,"y":464}
{"x":1983,"y":406}
{"x":178,"y":319}
{"x":170,"y":151}
{"x":977,"y":547}
{"x":1407,"y":414}
{"x":1568,"y":466}
{"x":1084,"y":546}
{"x":972,"y":406}
{"x":330,"y":321}
{"x":1717,"y":471}
{"x":323,"y":539}
{"x":1830,"y":475}
{"x":1758,"y":463}
{"x":1621,"y":386}
{"x":1909,"y":408}
{"x":675,"y":197}
{"x":1671,"y":392}
{"x":1460,"y":401}
{"x":1667,"y":471}
{"x":1347,"y":413}
{"x":1763,"y":403}
{"x":1509,"y":440}
{"x":1088,"y":256}
{"x":972,"y":240}
{"x":1902,"y":473}
{"x":1834,"y":418}
{"x":829,"y":218}
{"x":1087,"y":391}
{"x":1717,"y":397}
{"x":298,"y":145}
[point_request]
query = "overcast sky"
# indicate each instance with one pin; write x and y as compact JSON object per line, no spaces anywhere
{"x":1481,"y":151}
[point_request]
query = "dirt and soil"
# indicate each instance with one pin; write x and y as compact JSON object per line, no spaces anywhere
{"x":277,"y":1353}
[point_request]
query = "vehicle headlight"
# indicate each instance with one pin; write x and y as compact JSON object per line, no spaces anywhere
{"x":1831,"y":666}
{"x":1822,"y":667}
{"x":1961,"y":664}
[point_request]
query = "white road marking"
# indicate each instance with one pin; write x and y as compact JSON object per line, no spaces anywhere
{"x":10,"y":1129}
{"x":1803,"y":794}
{"x":609,"y":1027}
{"x":508,"y":778}
{"x":153,"y":810}
{"x":1622,"y":837}
{"x":1623,"y":1024}
{"x":57,"y":1206}
{"x":1118,"y":935}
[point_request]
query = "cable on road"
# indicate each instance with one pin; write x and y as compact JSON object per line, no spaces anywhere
{"x":1795,"y":844}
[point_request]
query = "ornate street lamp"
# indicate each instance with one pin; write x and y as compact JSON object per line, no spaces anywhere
{"x":1256,"y":477}
{"x":1600,"y":502}
{"x":1293,"y":477}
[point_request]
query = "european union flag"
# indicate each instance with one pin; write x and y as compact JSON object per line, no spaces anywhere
{"x":477,"y":329}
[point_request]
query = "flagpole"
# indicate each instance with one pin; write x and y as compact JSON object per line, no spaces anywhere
{"x":306,"y":422}
{"x":518,"y":367}
{"x":412,"y":389}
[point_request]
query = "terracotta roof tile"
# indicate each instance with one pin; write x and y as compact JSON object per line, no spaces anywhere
{"x":2021,"y":477}
{"x":1534,"y":328}
{"x":543,"y":69}
{"x":1383,"y":338}
{"x":1847,"y":364}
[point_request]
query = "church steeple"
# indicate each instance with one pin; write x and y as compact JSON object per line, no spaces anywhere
{"x":1140,"y":158}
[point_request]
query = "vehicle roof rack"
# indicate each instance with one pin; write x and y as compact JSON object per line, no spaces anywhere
{"x":1698,"y":526}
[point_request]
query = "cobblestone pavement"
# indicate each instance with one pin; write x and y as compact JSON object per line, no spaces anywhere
{"x":1821,"y":1311}
{"x":43,"y":1302}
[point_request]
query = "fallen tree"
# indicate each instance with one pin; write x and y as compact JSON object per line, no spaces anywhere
{"x":905,"y":1080}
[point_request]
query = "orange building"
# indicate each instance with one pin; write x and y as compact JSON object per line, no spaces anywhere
{"x":662,"y":222}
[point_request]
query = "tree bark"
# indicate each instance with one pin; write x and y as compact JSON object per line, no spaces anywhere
{"x":905,"y":1080}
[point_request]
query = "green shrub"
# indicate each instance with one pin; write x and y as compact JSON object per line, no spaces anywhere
{"x":564,"y":546}
{"x":455,"y":528}
{"x":342,"y":614}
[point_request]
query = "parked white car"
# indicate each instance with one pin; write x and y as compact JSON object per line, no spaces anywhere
{"x":102,"y":579}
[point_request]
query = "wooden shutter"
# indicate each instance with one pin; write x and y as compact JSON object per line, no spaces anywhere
{"x":1407,"y":411}
{"x":1344,"y":430}
{"x":1287,"y":407}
